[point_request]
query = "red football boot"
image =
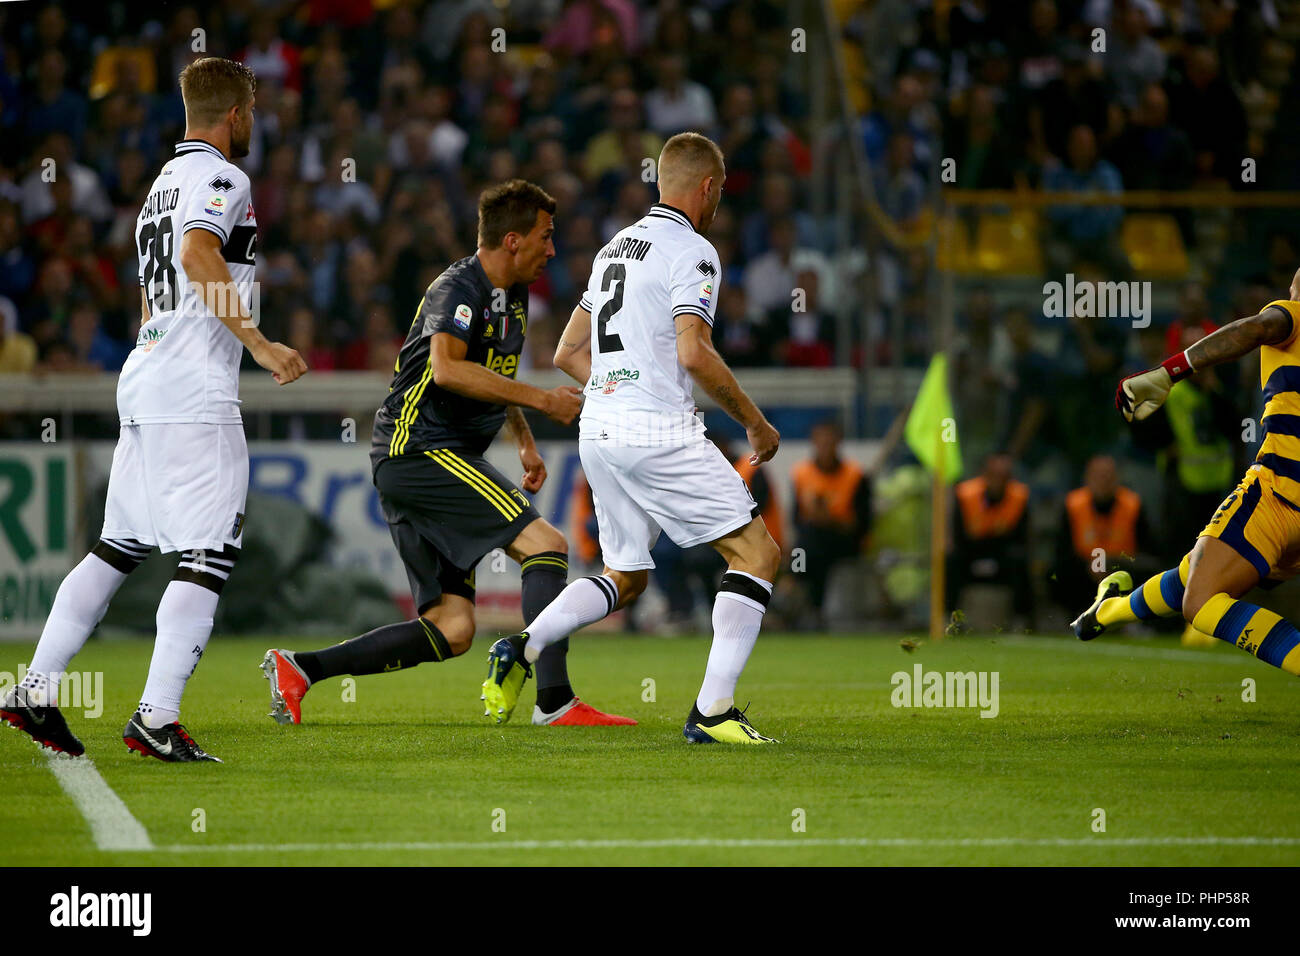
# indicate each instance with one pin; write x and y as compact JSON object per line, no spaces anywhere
{"x":288,"y":684}
{"x":577,"y":714}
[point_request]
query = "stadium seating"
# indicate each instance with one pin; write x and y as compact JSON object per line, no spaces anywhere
{"x":1154,"y":246}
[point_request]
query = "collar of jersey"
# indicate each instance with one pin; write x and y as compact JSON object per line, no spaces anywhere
{"x":661,"y":210}
{"x":198,"y":146}
{"x":481,"y":274}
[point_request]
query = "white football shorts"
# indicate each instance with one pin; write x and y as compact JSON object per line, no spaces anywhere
{"x":690,"y":491}
{"x":178,"y":486}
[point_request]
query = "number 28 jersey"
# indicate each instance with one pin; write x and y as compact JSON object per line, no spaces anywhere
{"x":656,"y":269}
{"x":185,"y":364}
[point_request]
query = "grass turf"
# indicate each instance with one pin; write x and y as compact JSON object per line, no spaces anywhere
{"x":1158,"y":737}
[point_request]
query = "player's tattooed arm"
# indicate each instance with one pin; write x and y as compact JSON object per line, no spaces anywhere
{"x":1242,"y":337}
{"x":573,"y":354}
{"x":701,"y":360}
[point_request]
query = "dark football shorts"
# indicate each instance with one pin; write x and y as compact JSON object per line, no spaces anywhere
{"x":445,"y":510}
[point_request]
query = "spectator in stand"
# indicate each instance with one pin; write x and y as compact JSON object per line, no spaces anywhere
{"x":92,"y":348}
{"x":270,"y":56}
{"x":17,"y":268}
{"x":377,"y":350}
{"x":1151,"y":153}
{"x":743,"y":340}
{"x":86,"y":193}
{"x":1033,"y":376}
{"x":1204,"y":104}
{"x":17,"y":349}
{"x":1135,"y":61}
{"x":979,"y":143}
{"x":831,"y":513}
{"x":1087,"y":233}
{"x":605,"y":150}
{"x":1103,"y":528}
{"x":806,"y":332}
{"x":302,"y":338}
{"x":677,"y":102}
{"x":1041,"y":47}
{"x":778,"y":200}
{"x":90,"y":267}
{"x":905,"y":111}
{"x":990,"y":543}
{"x":980,"y":375}
{"x":1193,"y":313}
{"x":1077,"y":97}
{"x":900,"y":189}
{"x":51,"y":106}
{"x":585,"y":24}
{"x":56,"y":294}
{"x":769,"y":280}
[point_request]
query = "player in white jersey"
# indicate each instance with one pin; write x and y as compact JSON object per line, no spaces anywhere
{"x":180,"y":469}
{"x":639,"y":337}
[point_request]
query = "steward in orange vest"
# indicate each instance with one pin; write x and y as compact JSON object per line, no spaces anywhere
{"x":832,"y":511}
{"x":1103,"y":529}
{"x":769,"y":506}
{"x":1110,"y":525}
{"x":991,"y":536}
{"x":582,"y":528}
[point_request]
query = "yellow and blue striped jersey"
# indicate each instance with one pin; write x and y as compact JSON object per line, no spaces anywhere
{"x":1279,"y":377}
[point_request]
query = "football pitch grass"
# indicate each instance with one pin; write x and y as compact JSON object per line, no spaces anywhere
{"x":410,"y":773}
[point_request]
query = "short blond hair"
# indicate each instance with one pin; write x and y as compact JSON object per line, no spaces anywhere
{"x":211,"y":85}
{"x":686,"y":159}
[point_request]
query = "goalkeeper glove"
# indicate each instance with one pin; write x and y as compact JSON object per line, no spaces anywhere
{"x":1138,"y":396}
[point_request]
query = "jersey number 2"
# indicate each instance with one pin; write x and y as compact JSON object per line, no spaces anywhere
{"x":609,"y":341}
{"x":156,"y":249}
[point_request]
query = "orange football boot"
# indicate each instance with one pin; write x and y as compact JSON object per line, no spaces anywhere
{"x":288,"y":685}
{"x":577,"y":714}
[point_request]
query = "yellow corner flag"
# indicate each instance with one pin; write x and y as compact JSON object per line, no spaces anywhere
{"x":931,"y":429}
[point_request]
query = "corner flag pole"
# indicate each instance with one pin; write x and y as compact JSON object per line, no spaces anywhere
{"x":938,"y":523}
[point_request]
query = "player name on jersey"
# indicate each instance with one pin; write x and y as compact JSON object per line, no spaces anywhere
{"x":627,"y":247}
{"x":164,"y":200}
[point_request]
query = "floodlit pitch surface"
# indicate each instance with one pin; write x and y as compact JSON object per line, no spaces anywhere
{"x":1157,"y":737}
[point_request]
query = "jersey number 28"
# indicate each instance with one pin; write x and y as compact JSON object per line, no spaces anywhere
{"x":157,"y":245}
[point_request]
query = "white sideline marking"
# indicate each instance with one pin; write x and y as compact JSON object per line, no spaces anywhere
{"x":111,"y":824}
{"x":869,"y":842}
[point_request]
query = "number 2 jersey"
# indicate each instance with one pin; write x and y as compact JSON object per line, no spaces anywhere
{"x":656,"y":269}
{"x":185,"y":364}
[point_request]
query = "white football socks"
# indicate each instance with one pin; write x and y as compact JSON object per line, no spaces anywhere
{"x":736,"y":620}
{"x":184,"y":626}
{"x":583,"y":602}
{"x":79,"y":604}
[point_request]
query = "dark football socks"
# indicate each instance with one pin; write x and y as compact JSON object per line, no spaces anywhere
{"x":388,"y":648}
{"x":543,"y":578}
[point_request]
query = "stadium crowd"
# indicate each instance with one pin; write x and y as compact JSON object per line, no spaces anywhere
{"x":379,"y":123}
